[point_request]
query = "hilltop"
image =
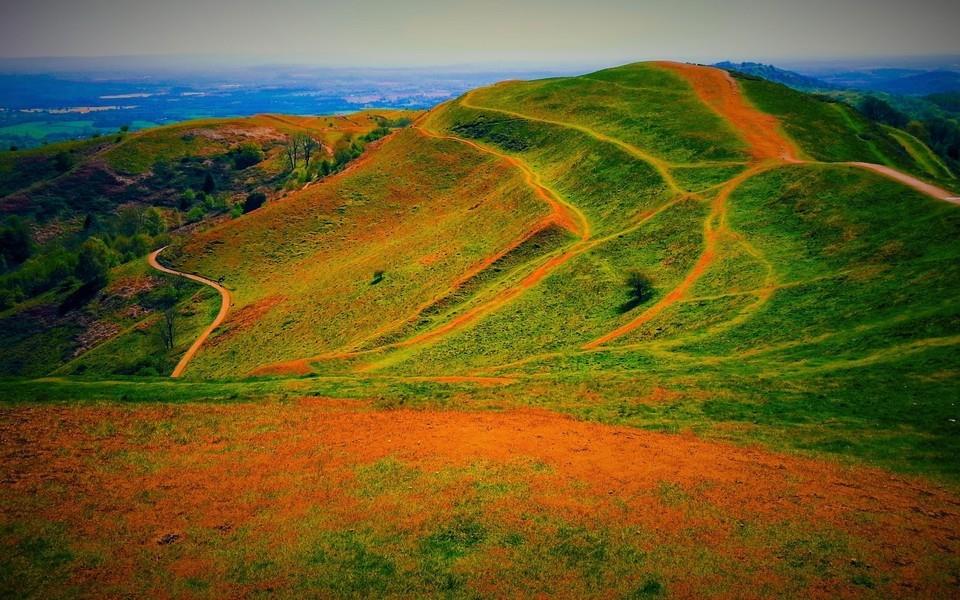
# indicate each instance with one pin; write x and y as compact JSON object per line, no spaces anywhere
{"x":657,"y":329}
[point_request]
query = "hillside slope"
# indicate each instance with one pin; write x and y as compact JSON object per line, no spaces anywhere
{"x":647,"y":219}
{"x":133,"y":192}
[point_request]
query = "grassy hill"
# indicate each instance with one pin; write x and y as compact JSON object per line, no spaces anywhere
{"x":135,"y":192}
{"x":504,"y":236}
{"x":756,"y":339}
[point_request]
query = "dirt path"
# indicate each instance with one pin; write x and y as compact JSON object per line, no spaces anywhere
{"x":563,"y":214}
{"x":910,"y":181}
{"x":768,"y":148}
{"x":718,"y":90}
{"x":224,"y":309}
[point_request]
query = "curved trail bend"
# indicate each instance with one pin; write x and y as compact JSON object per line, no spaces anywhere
{"x":225,"y":302}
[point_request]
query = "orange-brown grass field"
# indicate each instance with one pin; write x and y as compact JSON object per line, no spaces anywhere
{"x":332,"y":497}
{"x":653,"y":331}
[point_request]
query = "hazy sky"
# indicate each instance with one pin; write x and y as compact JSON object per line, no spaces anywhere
{"x":355,"y":32}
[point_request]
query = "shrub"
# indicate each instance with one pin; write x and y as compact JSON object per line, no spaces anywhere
{"x":62,"y":162}
{"x":246,"y":156}
{"x":187,"y":199}
{"x":877,"y":110}
{"x":254,"y":201}
{"x":16,"y":244}
{"x":195,"y":214}
{"x":209,"y":185}
{"x":94,"y":261}
{"x":639,"y":290}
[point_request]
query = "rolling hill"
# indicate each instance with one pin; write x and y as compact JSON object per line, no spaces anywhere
{"x":107,"y":188}
{"x":651,"y":330}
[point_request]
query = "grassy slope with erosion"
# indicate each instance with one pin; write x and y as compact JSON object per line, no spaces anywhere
{"x":834,"y":132}
{"x":420,"y":210}
{"x":752,"y":295}
{"x":91,"y":179}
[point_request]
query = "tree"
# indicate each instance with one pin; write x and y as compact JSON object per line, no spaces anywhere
{"x":209,"y":185}
{"x":195,"y":214}
{"x":124,"y":128}
{"x":292,"y":152}
{"x":307,"y":147}
{"x":341,"y":157}
{"x":187,"y":199}
{"x":62,"y":162}
{"x":94,"y":261}
{"x":880,"y":111}
{"x":944,"y":136}
{"x":152,"y":222}
{"x":639,"y":290}
{"x":254,"y":201}
{"x":246,"y":155}
{"x":131,"y":219}
{"x":16,"y":243}
{"x":164,"y":299}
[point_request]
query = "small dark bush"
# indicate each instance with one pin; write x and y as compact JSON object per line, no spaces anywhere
{"x":254,"y":201}
{"x":639,"y":290}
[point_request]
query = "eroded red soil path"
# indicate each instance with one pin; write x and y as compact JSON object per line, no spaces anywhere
{"x":713,"y":228}
{"x":161,"y":492}
{"x":718,"y":90}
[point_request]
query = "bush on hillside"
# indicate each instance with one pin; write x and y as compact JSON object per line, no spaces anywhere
{"x":209,"y":185}
{"x":944,"y":137}
{"x":254,"y":201}
{"x":639,"y":290}
{"x":94,"y":261}
{"x":880,"y":111}
{"x":16,"y":244}
{"x":246,"y":156}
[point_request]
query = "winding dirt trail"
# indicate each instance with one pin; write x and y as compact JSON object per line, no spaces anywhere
{"x":714,"y":227}
{"x":768,"y":148}
{"x":567,"y":215}
{"x":225,"y":302}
